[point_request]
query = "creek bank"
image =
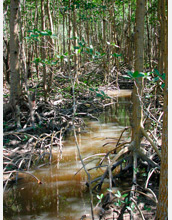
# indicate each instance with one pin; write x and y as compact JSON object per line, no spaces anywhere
{"x":31,"y":146}
{"x":60,"y":186}
{"x":59,"y":179}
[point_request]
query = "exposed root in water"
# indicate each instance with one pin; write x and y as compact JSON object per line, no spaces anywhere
{"x":10,"y":173}
{"x":32,"y":151}
{"x":127,"y":155}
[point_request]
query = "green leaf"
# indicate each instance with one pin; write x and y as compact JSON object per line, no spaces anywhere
{"x":135,"y":74}
{"x":128,"y":207}
{"x":125,"y":195}
{"x":81,"y":44}
{"x":53,"y":62}
{"x":37,"y":60}
{"x":118,"y":194}
{"x":91,"y":89}
{"x":126,"y":200}
{"x":99,"y":95}
{"x":44,"y":33}
{"x":163,"y":85}
{"x":116,"y":55}
{"x":73,"y":38}
{"x":109,"y":190}
{"x":34,"y":35}
{"x":49,"y":32}
{"x":127,"y":77}
{"x":98,"y":197}
{"x":138,"y":74}
{"x":130,"y":74}
{"x":27,"y":38}
{"x":76,"y":48}
{"x":79,"y":51}
{"x":101,"y":196}
{"x":54,"y":36}
{"x":155,"y":79}
{"x":119,"y":202}
{"x":163,"y":76}
{"x":156,"y":72}
{"x":113,"y":44}
{"x":25,"y":138}
{"x":136,"y":170}
{"x":103,"y":92}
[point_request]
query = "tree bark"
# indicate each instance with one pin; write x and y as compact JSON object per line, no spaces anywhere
{"x":137,"y":91}
{"x":52,"y":46}
{"x":162,"y":208}
{"x":43,"y":52}
{"x":15,"y":89}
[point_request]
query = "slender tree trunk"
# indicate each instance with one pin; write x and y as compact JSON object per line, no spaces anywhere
{"x":52,"y":47}
{"x":69,"y":41}
{"x":36,"y":43}
{"x":43,"y":54}
{"x":162,"y":208}
{"x":148,"y":27}
{"x":137,"y":91}
{"x":15,"y":89}
{"x":161,"y":37}
{"x":64,"y":45}
{"x":74,"y":44}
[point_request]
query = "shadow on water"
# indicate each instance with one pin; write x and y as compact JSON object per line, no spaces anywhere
{"x":64,"y":195}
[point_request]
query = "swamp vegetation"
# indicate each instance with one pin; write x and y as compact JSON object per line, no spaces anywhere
{"x":85,"y":109}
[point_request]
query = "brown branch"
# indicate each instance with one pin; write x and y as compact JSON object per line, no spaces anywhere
{"x":150,"y":141}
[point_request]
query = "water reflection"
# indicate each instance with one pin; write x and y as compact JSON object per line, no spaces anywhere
{"x":63,"y":195}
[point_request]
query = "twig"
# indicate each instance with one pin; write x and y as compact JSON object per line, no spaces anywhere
{"x":129,"y":190}
{"x":126,"y":128}
{"x":149,"y":175}
{"x":142,"y":216}
{"x":151,"y":142}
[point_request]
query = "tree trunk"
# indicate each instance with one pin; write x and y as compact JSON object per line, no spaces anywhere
{"x":162,"y":208}
{"x":43,"y":52}
{"x":137,"y":91}
{"x":52,"y":47}
{"x":15,"y":89}
{"x":74,"y":44}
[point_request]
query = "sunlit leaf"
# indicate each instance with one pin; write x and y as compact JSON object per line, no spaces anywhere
{"x":118,"y":194}
{"x":44,"y":33}
{"x":128,"y":207}
{"x":125,"y":195}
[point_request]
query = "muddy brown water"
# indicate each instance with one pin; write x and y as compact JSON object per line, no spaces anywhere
{"x":63,"y":195}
